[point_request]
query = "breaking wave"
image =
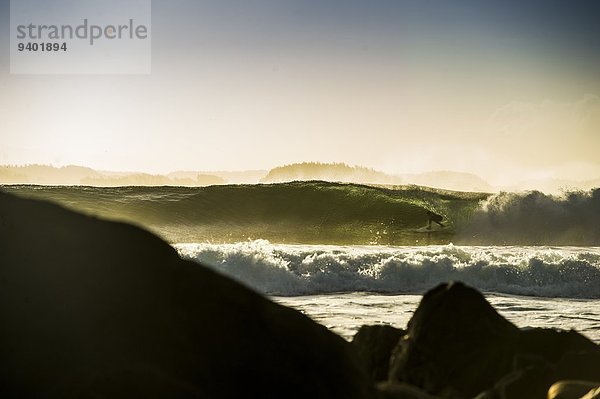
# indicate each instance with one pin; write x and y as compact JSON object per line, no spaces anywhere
{"x":535,"y":218}
{"x":290,"y":270}
{"x":339,"y":214}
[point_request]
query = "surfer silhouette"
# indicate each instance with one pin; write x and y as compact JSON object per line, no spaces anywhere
{"x":434,"y":217}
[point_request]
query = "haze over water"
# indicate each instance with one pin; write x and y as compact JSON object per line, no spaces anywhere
{"x":507,"y":90}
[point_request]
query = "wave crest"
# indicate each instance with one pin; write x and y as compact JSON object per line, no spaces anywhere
{"x":290,"y":270}
{"x":330,"y":213}
{"x":535,"y":218}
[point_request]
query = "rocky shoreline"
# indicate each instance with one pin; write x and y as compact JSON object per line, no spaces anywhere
{"x":457,"y":346}
{"x":99,"y":309}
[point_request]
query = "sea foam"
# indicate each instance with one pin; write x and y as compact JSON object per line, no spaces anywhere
{"x":291,"y":270}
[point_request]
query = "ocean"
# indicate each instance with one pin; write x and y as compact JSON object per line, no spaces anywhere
{"x":344,"y":287}
{"x":348,"y":255}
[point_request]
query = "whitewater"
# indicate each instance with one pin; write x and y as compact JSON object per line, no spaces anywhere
{"x":344,"y":287}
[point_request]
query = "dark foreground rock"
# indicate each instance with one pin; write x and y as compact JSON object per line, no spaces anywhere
{"x":95,"y":309}
{"x":456,"y":344}
{"x":537,"y":379}
{"x":374,"y":345}
{"x":399,"y":390}
{"x":580,"y":365}
{"x":551,"y":345}
{"x":572,"y":389}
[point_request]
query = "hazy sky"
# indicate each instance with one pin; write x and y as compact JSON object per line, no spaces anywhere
{"x":506,"y":89}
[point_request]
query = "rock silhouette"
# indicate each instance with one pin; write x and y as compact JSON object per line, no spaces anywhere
{"x":456,"y":344}
{"x":99,"y":309}
{"x":374,"y":345}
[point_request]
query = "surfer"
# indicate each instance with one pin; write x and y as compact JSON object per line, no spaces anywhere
{"x":434,"y":217}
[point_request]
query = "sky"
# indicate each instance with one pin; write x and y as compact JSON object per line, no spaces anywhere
{"x":508,"y":90}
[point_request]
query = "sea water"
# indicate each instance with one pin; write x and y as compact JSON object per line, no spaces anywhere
{"x":344,"y":287}
{"x":345,"y":313}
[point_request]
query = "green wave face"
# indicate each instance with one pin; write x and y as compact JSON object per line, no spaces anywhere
{"x":298,"y":212}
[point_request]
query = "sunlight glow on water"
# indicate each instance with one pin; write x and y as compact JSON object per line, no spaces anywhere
{"x":345,"y":313}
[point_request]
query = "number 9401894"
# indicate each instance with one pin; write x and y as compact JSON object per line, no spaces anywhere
{"x":42,"y":46}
